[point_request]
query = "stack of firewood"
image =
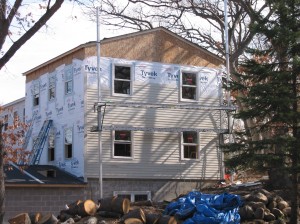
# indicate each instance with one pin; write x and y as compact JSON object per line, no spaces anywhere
{"x":107,"y":210}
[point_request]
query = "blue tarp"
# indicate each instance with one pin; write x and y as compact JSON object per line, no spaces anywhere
{"x":198,"y":208}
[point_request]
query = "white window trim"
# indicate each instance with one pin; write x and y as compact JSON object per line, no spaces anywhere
{"x":64,"y":142}
{"x":113,"y":79}
{"x":182,"y":148}
{"x":133,"y":193}
{"x":37,"y":83}
{"x":113,"y":146}
{"x":52,"y":75}
{"x":181,"y":85}
{"x":68,"y":67}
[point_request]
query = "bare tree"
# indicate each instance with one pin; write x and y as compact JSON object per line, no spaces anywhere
{"x":200,"y":21}
{"x":19,"y":21}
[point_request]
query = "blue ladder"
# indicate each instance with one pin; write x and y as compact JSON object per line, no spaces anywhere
{"x":39,"y":143}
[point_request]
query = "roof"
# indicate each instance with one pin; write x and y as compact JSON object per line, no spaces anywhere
{"x":111,"y":39}
{"x":40,"y":175}
{"x":14,"y":102}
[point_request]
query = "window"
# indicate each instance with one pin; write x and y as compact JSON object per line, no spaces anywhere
{"x":134,"y":196}
{"x":122,"y":80}
{"x":68,"y":81}
{"x":189,"y":86}
{"x":16,"y":119}
{"x":190,"y":146}
{"x":68,"y":143}
{"x":51,"y":90}
{"x":122,"y":144}
{"x":5,"y":122}
{"x":51,"y":146}
{"x":36,"y":94}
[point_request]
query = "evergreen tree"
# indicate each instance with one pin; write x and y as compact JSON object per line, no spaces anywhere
{"x":268,"y":87}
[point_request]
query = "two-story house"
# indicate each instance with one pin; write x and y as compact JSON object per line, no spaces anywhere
{"x":149,"y":128}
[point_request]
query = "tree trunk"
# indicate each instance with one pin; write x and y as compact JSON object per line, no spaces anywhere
{"x":137,"y":214}
{"x":48,"y":219}
{"x":2,"y":186}
{"x":22,"y":218}
{"x":115,"y":204}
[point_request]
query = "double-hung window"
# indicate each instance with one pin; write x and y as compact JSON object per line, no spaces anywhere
{"x":189,"y":88}
{"x":189,"y":145}
{"x":16,"y":119}
{"x":36,"y":94}
{"x":68,"y":80}
{"x":122,"y":81}
{"x":122,"y":144}
{"x":51,"y":90}
{"x":68,"y":143}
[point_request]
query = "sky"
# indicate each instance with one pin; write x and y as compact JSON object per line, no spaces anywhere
{"x":64,"y":33}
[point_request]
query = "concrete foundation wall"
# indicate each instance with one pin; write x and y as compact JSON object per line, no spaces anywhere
{"x":53,"y":199}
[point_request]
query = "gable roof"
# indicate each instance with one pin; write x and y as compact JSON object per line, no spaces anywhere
{"x":106,"y":41}
{"x":125,"y":36}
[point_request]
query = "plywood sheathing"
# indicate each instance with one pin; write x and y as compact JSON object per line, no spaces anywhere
{"x":159,"y":46}
{"x":156,"y":45}
{"x":52,"y":65}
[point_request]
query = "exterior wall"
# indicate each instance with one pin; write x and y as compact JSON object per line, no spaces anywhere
{"x":159,"y":189}
{"x":9,"y":109}
{"x":156,"y":154}
{"x":40,"y":199}
{"x":66,"y":111}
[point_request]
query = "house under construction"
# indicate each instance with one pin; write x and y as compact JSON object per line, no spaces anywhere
{"x":149,"y":128}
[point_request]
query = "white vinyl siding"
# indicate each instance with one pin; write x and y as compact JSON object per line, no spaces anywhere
{"x":156,"y":154}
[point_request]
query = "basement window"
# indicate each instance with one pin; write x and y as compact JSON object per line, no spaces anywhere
{"x":134,"y":196}
{"x":122,"y":83}
{"x":190,"y":145}
{"x":68,"y":143}
{"x":51,"y":90}
{"x":189,"y":88}
{"x":122,"y":144}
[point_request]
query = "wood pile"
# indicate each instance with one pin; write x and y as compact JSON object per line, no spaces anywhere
{"x":260,"y":206}
{"x":107,"y":211}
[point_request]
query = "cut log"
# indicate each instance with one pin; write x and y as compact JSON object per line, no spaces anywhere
{"x":152,"y":218}
{"x":114,"y":204}
{"x":86,"y":208}
{"x":133,"y":221}
{"x":166,"y":219}
{"x":81,"y":208}
{"x":107,"y":214}
{"x":22,"y":218}
{"x":135,"y":213}
{"x":68,"y":221}
{"x":64,"y":215}
{"x":142,"y":203}
{"x":73,"y":204}
{"x":121,"y":205}
{"x":48,"y":219}
{"x":35,"y":217}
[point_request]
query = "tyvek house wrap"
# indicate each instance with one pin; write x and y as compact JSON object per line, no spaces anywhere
{"x":67,"y":110}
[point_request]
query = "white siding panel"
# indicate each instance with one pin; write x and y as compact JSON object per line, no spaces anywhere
{"x":156,"y":154}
